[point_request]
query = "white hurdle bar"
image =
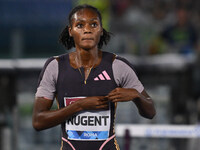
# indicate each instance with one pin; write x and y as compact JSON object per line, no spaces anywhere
{"x":158,"y":131}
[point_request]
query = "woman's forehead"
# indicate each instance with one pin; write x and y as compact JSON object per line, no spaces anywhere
{"x":84,"y":14}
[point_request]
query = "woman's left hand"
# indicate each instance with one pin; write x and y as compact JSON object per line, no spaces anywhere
{"x":122,"y":95}
{"x":142,"y":100}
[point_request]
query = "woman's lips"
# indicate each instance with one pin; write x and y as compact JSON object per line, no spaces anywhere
{"x":87,"y":39}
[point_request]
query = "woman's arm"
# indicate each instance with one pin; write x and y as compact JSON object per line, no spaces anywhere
{"x":44,"y":117}
{"x":145,"y":105}
{"x":142,"y":100}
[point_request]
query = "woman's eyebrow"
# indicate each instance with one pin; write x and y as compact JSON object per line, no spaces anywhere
{"x":93,"y":19}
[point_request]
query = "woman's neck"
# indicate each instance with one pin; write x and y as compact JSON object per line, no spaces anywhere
{"x":87,"y":58}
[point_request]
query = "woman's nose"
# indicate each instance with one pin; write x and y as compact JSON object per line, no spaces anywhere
{"x":87,"y":29}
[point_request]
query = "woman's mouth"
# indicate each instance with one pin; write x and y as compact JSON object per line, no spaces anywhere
{"x":86,"y":39}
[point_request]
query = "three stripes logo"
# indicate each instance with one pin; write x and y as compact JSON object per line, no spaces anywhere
{"x":102,"y":76}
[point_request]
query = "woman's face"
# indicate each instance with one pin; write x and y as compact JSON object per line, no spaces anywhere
{"x":86,"y":29}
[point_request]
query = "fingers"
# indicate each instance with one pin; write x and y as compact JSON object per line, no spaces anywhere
{"x":114,"y":95}
{"x":105,"y":98}
{"x":122,"y":95}
{"x":106,"y":106}
{"x":116,"y":100}
{"x":102,"y":102}
{"x":116,"y":91}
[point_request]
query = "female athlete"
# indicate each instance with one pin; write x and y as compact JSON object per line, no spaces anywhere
{"x":87,"y":84}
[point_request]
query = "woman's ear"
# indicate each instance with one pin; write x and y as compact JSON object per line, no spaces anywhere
{"x":102,"y":31}
{"x":70,"y":31}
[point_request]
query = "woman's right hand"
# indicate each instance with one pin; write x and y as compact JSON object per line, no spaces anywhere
{"x":93,"y":103}
{"x":44,"y":117}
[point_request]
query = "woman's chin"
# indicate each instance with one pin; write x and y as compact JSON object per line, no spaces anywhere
{"x":88,"y":47}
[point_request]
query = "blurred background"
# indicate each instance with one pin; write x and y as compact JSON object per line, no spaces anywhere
{"x":159,"y":37}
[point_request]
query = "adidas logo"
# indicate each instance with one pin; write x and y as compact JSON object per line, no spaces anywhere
{"x":103,"y":76}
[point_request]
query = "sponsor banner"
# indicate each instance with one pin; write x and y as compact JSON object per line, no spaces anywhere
{"x":159,"y":131}
{"x":87,"y":135}
{"x":90,"y":125}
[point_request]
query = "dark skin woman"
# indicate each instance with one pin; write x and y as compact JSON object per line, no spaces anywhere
{"x":85,"y":28}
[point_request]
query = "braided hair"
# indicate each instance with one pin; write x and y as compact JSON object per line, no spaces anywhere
{"x":68,"y":41}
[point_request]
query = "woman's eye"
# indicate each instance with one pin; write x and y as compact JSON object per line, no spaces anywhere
{"x":94,"y":25}
{"x":79,"y":25}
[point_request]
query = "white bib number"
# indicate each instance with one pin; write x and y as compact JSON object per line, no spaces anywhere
{"x":87,"y":125}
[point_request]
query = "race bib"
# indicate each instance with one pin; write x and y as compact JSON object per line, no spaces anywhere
{"x":87,"y":125}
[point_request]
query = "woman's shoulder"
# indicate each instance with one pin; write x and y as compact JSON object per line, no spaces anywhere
{"x":53,"y":60}
{"x":62,"y":56}
{"x":122,"y":62}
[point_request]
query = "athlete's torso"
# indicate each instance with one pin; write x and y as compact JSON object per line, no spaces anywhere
{"x":87,"y":130}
